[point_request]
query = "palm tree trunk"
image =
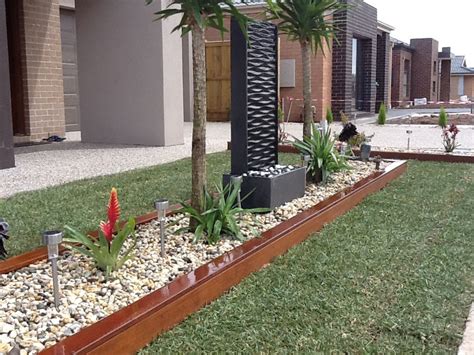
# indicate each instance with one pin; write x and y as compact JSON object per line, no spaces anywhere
{"x":199,"y":121}
{"x":307,"y":96}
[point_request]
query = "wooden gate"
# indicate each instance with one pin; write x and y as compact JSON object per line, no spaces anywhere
{"x":218,"y":81}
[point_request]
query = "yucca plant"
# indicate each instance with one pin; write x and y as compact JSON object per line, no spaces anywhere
{"x":324,"y":157}
{"x":219,"y":216}
{"x":106,"y":250}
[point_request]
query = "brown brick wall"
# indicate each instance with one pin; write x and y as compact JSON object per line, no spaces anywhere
{"x":424,"y":68}
{"x":399,"y":55}
{"x":321,"y":70}
{"x":445,"y":84}
{"x":42,"y":65}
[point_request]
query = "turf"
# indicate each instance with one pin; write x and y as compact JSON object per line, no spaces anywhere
{"x":394,"y":275}
{"x":82,"y":204}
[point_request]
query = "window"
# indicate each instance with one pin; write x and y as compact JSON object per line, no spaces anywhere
{"x":461,"y":86}
{"x":435,"y":66}
{"x":434,"y":86}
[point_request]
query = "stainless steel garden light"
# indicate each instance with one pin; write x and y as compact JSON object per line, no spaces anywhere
{"x":236,"y":180}
{"x":52,"y":239}
{"x":305,"y":158}
{"x":409,"y":132}
{"x":162,"y":206}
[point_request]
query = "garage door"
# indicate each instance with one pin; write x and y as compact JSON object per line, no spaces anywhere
{"x":71,"y":87}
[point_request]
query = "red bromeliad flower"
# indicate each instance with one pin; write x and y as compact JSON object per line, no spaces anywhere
{"x":113,"y":215}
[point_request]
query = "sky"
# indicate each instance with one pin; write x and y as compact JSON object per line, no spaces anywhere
{"x":451,"y":22}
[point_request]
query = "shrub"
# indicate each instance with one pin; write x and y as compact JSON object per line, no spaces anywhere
{"x":329,"y":116}
{"x":443,"y":118}
{"x":382,"y":117}
{"x":323,"y":154}
{"x":449,"y":138}
{"x":106,"y":250}
{"x":219,"y":215}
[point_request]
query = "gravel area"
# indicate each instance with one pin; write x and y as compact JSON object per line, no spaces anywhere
{"x":38,"y":167}
{"x":457,"y":119}
{"x":28,"y":319}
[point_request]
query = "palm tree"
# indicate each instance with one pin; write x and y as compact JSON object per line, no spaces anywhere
{"x":309,"y":22}
{"x":196,"y":16}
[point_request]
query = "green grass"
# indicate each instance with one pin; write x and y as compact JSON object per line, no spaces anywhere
{"x":82,"y":204}
{"x":394,"y":275}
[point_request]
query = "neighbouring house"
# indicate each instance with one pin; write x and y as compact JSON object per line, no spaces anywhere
{"x":103,"y":67}
{"x":420,"y":71}
{"x":352,"y":76}
{"x":462,"y":78}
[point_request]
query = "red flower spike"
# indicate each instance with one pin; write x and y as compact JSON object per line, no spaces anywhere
{"x":113,"y":215}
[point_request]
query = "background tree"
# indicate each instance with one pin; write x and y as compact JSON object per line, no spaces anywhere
{"x":195,"y":17}
{"x":310,"y":23}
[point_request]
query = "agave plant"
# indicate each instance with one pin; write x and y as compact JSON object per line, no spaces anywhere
{"x":106,"y":250}
{"x":219,"y":215}
{"x":324,"y":158}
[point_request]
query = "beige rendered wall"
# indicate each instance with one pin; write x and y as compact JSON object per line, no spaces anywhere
{"x":469,"y":86}
{"x":130,"y":74}
{"x":454,"y":88}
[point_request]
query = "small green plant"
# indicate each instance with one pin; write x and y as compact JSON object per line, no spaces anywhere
{"x":219,"y":215}
{"x":329,"y":116}
{"x":344,"y":118}
{"x":449,"y":138}
{"x":382,"y":117}
{"x":443,"y":118}
{"x":324,"y":157}
{"x":106,"y":250}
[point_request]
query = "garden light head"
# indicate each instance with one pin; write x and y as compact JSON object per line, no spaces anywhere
{"x":52,"y":239}
{"x":236,"y":180}
{"x":305,"y":158}
{"x":162,"y":206}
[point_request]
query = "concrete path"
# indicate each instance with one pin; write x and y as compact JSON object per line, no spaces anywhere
{"x":42,"y":166}
{"x":467,"y":346}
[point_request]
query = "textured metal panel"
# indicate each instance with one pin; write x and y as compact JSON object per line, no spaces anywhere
{"x":262,"y":105}
{"x":254,"y":107}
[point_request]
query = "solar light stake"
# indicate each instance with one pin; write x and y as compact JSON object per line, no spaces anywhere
{"x":305,"y":158}
{"x":236,"y":180}
{"x":162,"y":207}
{"x":52,"y":239}
{"x":409,"y":132}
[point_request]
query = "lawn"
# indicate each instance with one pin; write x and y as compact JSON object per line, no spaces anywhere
{"x":82,"y":204}
{"x":395,"y":274}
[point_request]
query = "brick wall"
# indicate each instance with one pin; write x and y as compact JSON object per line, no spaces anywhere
{"x":445,"y":84}
{"x":424,"y":68}
{"x":42,"y":65}
{"x":359,"y":21}
{"x":321,"y":70}
{"x":399,"y":55}
{"x":383,"y":69}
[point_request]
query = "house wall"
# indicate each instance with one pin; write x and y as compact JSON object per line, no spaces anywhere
{"x":445,"y":80}
{"x":399,"y":55}
{"x":468,"y":86}
{"x":130,"y":74}
{"x":321,"y":70}
{"x":359,"y":21}
{"x":7,"y":159}
{"x":424,"y":68}
{"x":42,"y":69}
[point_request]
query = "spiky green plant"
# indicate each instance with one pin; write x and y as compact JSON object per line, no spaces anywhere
{"x":382,"y":117}
{"x":443,"y":118}
{"x":324,"y":157}
{"x":329,"y":116}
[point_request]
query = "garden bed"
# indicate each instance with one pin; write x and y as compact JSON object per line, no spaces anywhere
{"x":149,"y":291}
{"x":453,"y":118}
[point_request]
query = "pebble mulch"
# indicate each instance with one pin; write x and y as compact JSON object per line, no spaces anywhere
{"x":29,"y":321}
